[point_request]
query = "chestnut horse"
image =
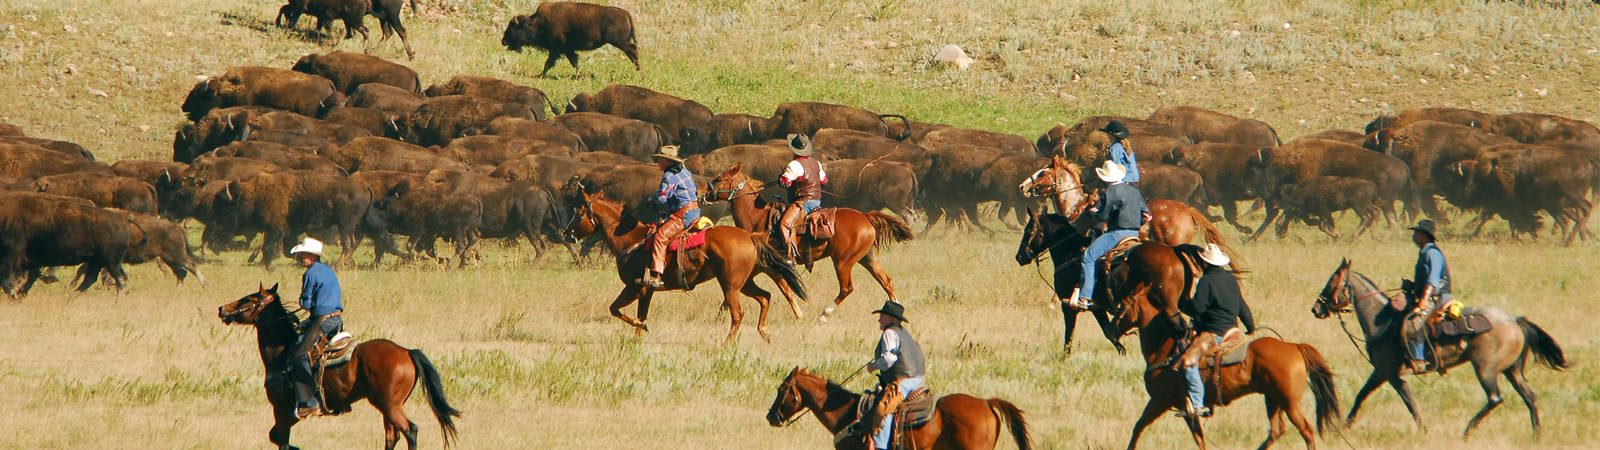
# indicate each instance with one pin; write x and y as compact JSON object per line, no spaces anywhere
{"x":731,"y":255}
{"x":1171,"y":223}
{"x":959,"y":422}
{"x":1503,"y":350}
{"x":856,"y":238}
{"x":379,"y":370}
{"x":1276,"y":369}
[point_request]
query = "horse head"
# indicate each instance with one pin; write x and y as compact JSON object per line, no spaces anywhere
{"x":789,"y":403}
{"x":1060,"y":181}
{"x":1333,"y":298}
{"x":247,"y":309}
{"x":584,"y":221}
{"x":730,"y":184}
{"x":1043,"y":232}
{"x":1132,"y":312}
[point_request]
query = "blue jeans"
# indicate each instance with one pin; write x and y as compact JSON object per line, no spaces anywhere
{"x":1416,"y":343}
{"x":882,"y":437}
{"x":810,"y":205}
{"x":1096,"y":249}
{"x":302,"y":373}
{"x":1197,"y":385}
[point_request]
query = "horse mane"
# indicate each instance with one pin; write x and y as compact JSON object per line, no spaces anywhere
{"x":290,"y":322}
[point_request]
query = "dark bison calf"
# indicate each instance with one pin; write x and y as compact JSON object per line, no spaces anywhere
{"x":565,"y":28}
{"x":1315,"y":200}
{"x":163,"y":240}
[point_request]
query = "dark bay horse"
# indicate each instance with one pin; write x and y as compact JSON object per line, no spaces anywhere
{"x":379,"y":370}
{"x":1503,"y":350}
{"x":959,"y":422}
{"x":732,"y":256}
{"x":1280,"y":371}
{"x":1054,"y":233}
{"x":856,"y":238}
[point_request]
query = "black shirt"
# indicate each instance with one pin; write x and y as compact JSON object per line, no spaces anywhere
{"x":1217,"y":305}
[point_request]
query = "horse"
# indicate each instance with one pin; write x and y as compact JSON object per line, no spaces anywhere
{"x":959,"y":421}
{"x":1280,"y":371}
{"x":733,"y":256}
{"x":1172,"y":223}
{"x":380,"y":371}
{"x":1503,"y":350}
{"x":856,"y":239}
{"x":1055,"y":233}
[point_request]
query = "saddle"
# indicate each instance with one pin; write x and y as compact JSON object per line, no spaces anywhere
{"x":911,"y":414}
{"x":1231,"y":351}
{"x":330,"y":354}
{"x":1461,"y":327}
{"x":818,"y":225}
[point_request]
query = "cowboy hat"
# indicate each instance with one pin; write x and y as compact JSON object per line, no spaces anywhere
{"x":1111,"y":172}
{"x":1425,"y":226}
{"x":800,"y":145}
{"x":893,"y":309}
{"x":668,"y":152}
{"x":1116,"y":129}
{"x":309,"y":245}
{"x":1214,"y":256}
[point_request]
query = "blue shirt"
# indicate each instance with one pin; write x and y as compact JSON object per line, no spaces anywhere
{"x":677,"y":190}
{"x":1431,"y":269}
{"x":1124,"y":157}
{"x":319,"y":290}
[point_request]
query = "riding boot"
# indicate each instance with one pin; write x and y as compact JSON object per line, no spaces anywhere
{"x":306,"y":404}
{"x":652,"y":280}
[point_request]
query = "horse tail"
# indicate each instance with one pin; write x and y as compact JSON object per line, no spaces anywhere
{"x":770,"y":259}
{"x":890,"y":229}
{"x":434,"y":388}
{"x":1012,"y":416}
{"x":1321,"y":388}
{"x":1544,"y":347}
{"x":1215,"y":237}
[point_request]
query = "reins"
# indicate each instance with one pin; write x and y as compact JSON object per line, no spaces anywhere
{"x":802,"y":412}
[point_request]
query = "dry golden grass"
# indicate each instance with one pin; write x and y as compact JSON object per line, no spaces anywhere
{"x":533,"y":359}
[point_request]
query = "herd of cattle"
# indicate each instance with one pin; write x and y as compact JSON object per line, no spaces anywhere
{"x":349,"y":147}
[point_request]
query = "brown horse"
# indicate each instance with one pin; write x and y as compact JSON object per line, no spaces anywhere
{"x":959,"y":422}
{"x":731,"y":255}
{"x":1503,"y":350}
{"x":1171,"y":223}
{"x":380,"y":371}
{"x":856,"y":238}
{"x":1276,"y":369}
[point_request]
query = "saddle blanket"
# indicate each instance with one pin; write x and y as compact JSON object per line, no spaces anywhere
{"x":694,"y":240}
{"x":1466,"y":325}
{"x":916,"y":410}
{"x":338,"y":350}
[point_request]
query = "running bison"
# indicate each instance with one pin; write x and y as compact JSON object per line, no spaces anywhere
{"x":493,"y":89}
{"x":351,"y":70}
{"x":1204,"y":125}
{"x":565,"y":28}
{"x":681,"y":118}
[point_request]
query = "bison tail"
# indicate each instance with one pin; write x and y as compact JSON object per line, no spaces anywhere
{"x":903,"y":121}
{"x":890,"y":229}
{"x":1215,"y":237}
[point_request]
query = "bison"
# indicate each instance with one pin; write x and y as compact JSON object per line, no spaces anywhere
{"x":1458,"y":116}
{"x":1516,"y":181}
{"x":32,"y":161}
{"x":1430,"y":148}
{"x":217,"y":128}
{"x":376,"y":153}
{"x":723,"y":130}
{"x":106,"y":191}
{"x":565,"y":28}
{"x":809,"y":117}
{"x":867,"y":185}
{"x":281,"y":155}
{"x":603,"y":132}
{"x":282,"y":205}
{"x":162,"y":240}
{"x":439,"y":119}
{"x":427,"y":215}
{"x":1532,"y":128}
{"x":41,"y":230}
{"x":761,"y":162}
{"x":679,"y":117}
{"x":353,"y":13}
{"x":852,"y":144}
{"x":384,"y":97}
{"x":493,"y":89}
{"x":489,"y":150}
{"x":1314,"y":201}
{"x":1302,"y":160}
{"x":1223,"y":175}
{"x":1204,"y":125}
{"x":351,"y":70}
{"x":947,"y":135}
{"x":63,"y":147}
{"x":305,"y":94}
{"x":374,"y":121}
{"x":1057,"y":139}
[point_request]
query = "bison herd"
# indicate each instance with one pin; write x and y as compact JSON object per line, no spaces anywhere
{"x":350,"y":148}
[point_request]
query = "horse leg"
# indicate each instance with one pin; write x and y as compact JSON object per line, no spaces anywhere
{"x":1491,"y":388}
{"x":730,"y":298}
{"x":1519,"y":383}
{"x":842,"y":268}
{"x":1373,"y":381}
{"x":879,"y":274}
{"x":763,"y":299}
{"x":644,"y":311}
{"x":1275,"y":427}
{"x":1069,"y":322}
{"x":1110,"y":330}
{"x":286,"y":419}
{"x":1298,"y":418}
{"x":1196,"y":432}
{"x":1150,"y":414}
{"x":1400,"y":387}
{"x":627,"y":297}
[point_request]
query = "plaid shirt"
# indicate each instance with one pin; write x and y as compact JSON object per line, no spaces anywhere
{"x":677,"y":189}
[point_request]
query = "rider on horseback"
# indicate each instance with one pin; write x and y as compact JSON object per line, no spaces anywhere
{"x":677,"y":195}
{"x":1429,"y":290}
{"x":1119,"y":151}
{"x":319,"y":294}
{"x":1121,"y":210}
{"x":804,"y":177}
{"x":1216,"y":307}
{"x":900,"y":366}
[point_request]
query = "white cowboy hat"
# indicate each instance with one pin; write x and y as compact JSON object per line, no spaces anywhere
{"x":1214,"y":256}
{"x":668,"y":152}
{"x":309,"y":245}
{"x":1111,"y":172}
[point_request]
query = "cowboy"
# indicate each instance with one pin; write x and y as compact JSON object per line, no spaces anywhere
{"x":1430,"y":288}
{"x":1119,"y":150}
{"x":319,"y":294}
{"x":1121,"y":210}
{"x":900,"y":366}
{"x":804,"y":177}
{"x":677,"y":194}
{"x":1216,"y":307}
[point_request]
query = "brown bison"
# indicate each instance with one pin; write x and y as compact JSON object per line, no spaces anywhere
{"x":1301,"y":160}
{"x":809,"y":117}
{"x":440,"y":119}
{"x":42,"y":230}
{"x":1458,"y":116}
{"x":295,"y":124}
{"x":1170,"y":182}
{"x":32,"y":161}
{"x":490,"y":150}
{"x":1516,"y":181}
{"x":947,"y":135}
{"x":384,"y":97}
{"x":427,"y":215}
{"x":210,"y":168}
{"x":350,"y":70}
{"x":219,"y":127}
{"x":1430,"y":148}
{"x":7,"y":129}
{"x":282,"y":205}
{"x":723,"y":130}
{"x":947,"y":177}
{"x":374,"y":121}
{"x":852,"y":144}
{"x":353,"y":13}
{"x":162,"y":240}
{"x":64,"y":147}
{"x":493,"y":89}
{"x":106,"y":191}
{"x":1223,"y":175}
{"x":376,"y":153}
{"x":761,"y":162}
{"x":679,"y":117}
{"x":281,"y":155}
{"x":511,"y":209}
{"x":153,"y":172}
{"x":1532,"y":128}
{"x":1314,"y":201}
{"x":1058,"y":139}
{"x":1204,"y":125}
{"x":308,"y":95}
{"x":522,"y":128}
{"x":603,"y":132}
{"x":866,"y":185}
{"x":18,"y":184}
{"x":565,"y":28}
{"x":1345,"y":136}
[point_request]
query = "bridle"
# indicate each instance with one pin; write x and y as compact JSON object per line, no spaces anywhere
{"x":731,"y":193}
{"x":800,"y":413}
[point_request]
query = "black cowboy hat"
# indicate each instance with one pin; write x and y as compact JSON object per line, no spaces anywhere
{"x":894,"y":310}
{"x":1116,"y":129}
{"x":1425,"y":226}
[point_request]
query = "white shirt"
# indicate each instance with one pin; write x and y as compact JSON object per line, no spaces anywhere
{"x":891,"y":351}
{"x":795,"y":171}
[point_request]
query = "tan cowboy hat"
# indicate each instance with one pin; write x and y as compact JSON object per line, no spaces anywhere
{"x":1214,"y":256}
{"x":309,"y":245}
{"x":668,"y":152}
{"x":800,"y":145}
{"x":1111,"y":172}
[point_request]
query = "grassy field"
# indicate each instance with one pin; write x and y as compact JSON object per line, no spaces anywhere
{"x":528,"y":351}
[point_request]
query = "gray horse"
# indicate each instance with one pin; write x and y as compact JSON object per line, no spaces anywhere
{"x":1502,"y":350}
